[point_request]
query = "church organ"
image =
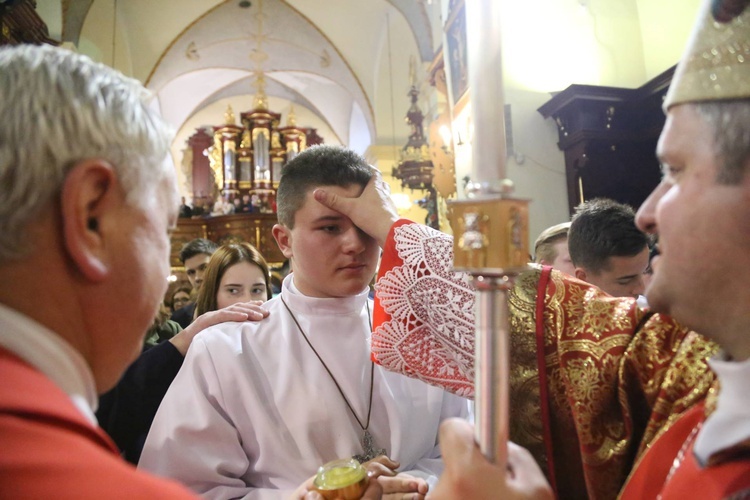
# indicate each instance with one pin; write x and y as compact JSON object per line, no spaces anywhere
{"x":234,"y":171}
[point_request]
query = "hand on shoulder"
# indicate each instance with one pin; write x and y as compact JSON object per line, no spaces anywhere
{"x":243,"y":311}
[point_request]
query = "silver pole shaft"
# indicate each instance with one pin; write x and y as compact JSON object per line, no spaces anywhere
{"x":492,"y":374}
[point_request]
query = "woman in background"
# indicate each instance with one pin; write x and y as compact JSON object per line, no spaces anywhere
{"x":237,"y":272}
{"x":179,"y":299}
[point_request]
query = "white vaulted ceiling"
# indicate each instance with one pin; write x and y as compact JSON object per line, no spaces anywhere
{"x":218,"y":50}
{"x":343,"y":63}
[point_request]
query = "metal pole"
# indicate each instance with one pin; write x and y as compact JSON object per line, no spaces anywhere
{"x":491,"y":379}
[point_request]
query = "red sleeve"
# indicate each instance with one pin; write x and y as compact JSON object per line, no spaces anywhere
{"x":388,"y":260}
{"x":424,"y":311}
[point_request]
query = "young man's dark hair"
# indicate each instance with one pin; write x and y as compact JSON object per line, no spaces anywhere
{"x":606,"y":247}
{"x":322,"y":165}
{"x":196,"y":247}
{"x":600,"y":229}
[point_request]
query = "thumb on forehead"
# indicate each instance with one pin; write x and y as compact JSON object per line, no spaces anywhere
{"x":328,"y":199}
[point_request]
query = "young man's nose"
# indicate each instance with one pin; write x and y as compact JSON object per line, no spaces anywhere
{"x":354,"y":240}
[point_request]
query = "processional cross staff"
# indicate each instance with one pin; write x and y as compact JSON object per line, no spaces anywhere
{"x":491,"y":229}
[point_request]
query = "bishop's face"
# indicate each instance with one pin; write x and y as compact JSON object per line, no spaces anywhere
{"x":701,"y":275}
{"x":140,"y":266}
{"x":331,"y":257}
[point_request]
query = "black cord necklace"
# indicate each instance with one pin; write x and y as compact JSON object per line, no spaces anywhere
{"x":368,"y":444}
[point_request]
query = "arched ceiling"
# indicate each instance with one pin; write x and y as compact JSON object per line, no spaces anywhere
{"x":344,"y":61}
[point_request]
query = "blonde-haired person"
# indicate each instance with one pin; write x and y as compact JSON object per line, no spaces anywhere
{"x":237,"y":272}
{"x":551,"y":248}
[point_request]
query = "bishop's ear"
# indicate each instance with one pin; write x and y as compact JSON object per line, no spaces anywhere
{"x":89,"y":195}
{"x":283,"y":237}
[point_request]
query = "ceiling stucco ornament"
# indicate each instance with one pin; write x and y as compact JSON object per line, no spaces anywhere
{"x":325,"y":59}
{"x":261,"y":99}
{"x":258,"y":56}
{"x":192,"y":52}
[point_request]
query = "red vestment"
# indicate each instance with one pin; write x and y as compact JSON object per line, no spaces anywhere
{"x":592,"y":380}
{"x":669,"y":469}
{"x":50,"y":450}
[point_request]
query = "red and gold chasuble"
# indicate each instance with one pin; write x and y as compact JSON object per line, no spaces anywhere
{"x":611,"y":376}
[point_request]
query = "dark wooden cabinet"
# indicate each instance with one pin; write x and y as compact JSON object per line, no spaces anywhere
{"x":20,"y":23}
{"x":253,"y":228}
{"x":609,"y":137}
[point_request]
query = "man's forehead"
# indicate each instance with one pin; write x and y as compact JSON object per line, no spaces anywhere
{"x":329,"y":217}
{"x":352,"y":190}
{"x":313,"y":212}
{"x":683,"y":127}
{"x":348,"y":190}
{"x":197,"y":260}
{"x":665,"y":144}
{"x":623,"y":264}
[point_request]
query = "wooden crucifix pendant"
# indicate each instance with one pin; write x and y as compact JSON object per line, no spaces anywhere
{"x":368,"y":446}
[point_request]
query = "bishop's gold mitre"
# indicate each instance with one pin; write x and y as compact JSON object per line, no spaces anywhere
{"x":716,"y":63}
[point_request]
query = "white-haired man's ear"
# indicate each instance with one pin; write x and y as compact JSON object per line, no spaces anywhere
{"x":90,"y":193}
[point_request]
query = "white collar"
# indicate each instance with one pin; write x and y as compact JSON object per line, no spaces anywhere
{"x":729,"y":424}
{"x":53,"y":356}
{"x":322,"y":306}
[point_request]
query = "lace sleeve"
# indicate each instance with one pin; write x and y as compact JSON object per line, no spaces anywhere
{"x":424,"y":311}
